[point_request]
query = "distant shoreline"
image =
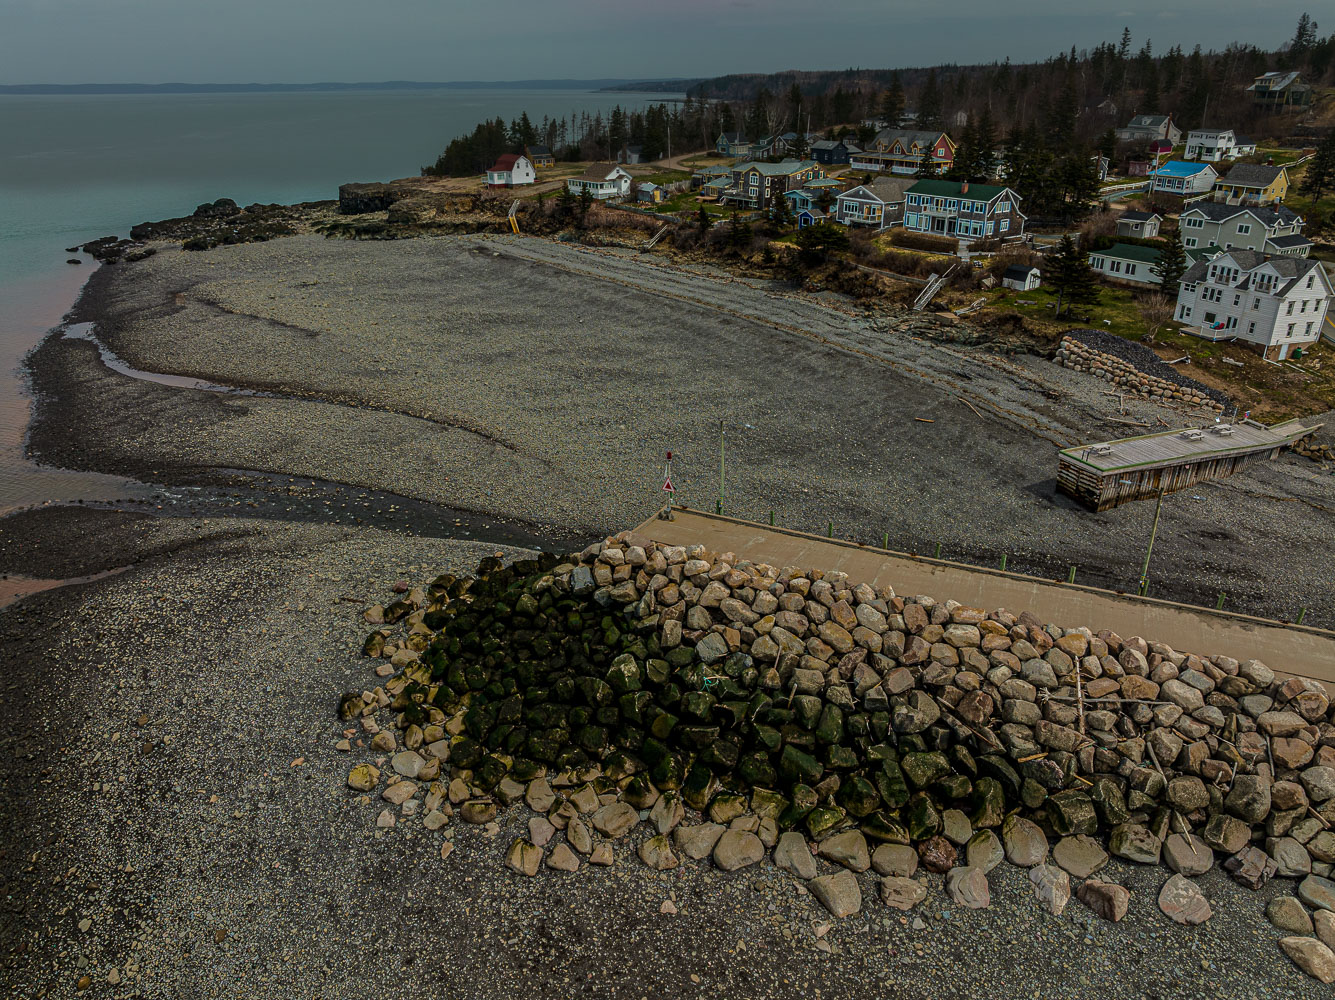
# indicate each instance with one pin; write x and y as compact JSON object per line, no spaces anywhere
{"x":32,"y":89}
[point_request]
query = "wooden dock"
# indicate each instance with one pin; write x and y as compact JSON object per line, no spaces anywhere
{"x":1288,"y":649}
{"x":1102,"y":476}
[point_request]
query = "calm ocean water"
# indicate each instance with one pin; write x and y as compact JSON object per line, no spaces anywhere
{"x":76,"y":168}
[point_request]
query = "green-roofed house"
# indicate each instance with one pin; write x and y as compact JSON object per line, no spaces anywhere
{"x":1132,"y":264}
{"x":964,"y":211}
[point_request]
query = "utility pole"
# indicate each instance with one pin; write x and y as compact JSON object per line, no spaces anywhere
{"x":1154,"y":531}
{"x":720,"y":467}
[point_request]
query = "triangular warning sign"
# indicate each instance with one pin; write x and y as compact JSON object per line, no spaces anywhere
{"x":667,"y":486}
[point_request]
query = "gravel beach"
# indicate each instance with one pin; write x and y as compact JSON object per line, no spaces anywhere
{"x":543,"y":382}
{"x":177,"y":823}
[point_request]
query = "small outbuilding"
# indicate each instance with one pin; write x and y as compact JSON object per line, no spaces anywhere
{"x":1140,"y":225}
{"x":649,"y":193}
{"x":1021,"y":278}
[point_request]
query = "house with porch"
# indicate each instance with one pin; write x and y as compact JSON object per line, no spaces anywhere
{"x":1273,"y":305}
{"x":630,"y":154}
{"x":901,"y":151}
{"x":1141,"y":225}
{"x":701,"y":177}
{"x":1211,"y":145}
{"x":510,"y":170}
{"x":1133,"y":264}
{"x":879,"y":204}
{"x":1182,"y":178}
{"x":963,"y":210}
{"x":602,"y":181}
{"x":1264,"y":228}
{"x":732,"y":144}
{"x":1280,"y":91}
{"x":1146,"y":128}
{"x":758,"y":185}
{"x":1253,"y":184}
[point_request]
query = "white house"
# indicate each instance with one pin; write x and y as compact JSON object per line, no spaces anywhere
{"x":1140,"y":225}
{"x":1211,"y":145}
{"x":1271,"y":304}
{"x":602,"y":181}
{"x":879,"y":204}
{"x":510,"y":170}
{"x":1126,"y":263}
{"x":1273,"y":230}
{"x":1021,"y":278}
{"x":1181,"y":178}
{"x":1144,"y":128}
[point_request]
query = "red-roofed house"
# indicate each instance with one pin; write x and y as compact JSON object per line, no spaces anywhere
{"x":510,"y":170}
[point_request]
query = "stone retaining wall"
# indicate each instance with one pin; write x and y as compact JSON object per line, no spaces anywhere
{"x":1127,"y":376}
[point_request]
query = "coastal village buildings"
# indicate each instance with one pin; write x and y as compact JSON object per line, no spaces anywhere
{"x":1280,"y":91}
{"x":1211,"y":145}
{"x":758,"y":185}
{"x":540,"y":156}
{"x":1272,"y":304}
{"x":1182,"y":178}
{"x":963,"y":210}
{"x":1123,"y":262}
{"x":1141,"y":225}
{"x":511,"y":170}
{"x":879,"y":204}
{"x":602,"y":181}
{"x":1272,"y":230}
{"x":1254,"y":184}
{"x":901,"y":151}
{"x":1146,"y":128}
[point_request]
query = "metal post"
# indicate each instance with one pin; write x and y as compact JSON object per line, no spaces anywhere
{"x":829,"y":532}
{"x":720,"y":467}
{"x":1070,"y":577}
{"x":771,"y":518}
{"x":1154,"y":531}
{"x":937,"y":553}
{"x":1219,"y":604}
{"x":1302,"y":613}
{"x":885,"y":539}
{"x":1003,"y":562}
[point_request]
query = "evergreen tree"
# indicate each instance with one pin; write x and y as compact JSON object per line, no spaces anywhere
{"x":1072,"y":278}
{"x":739,"y":231}
{"x":1108,"y":144}
{"x":1124,"y":47}
{"x":929,"y":105}
{"x":1320,"y":175}
{"x":1152,"y":99}
{"x":985,"y":139}
{"x":816,"y":243}
{"x":1171,"y":265}
{"x":781,"y":213}
{"x":703,"y":221}
{"x":926,"y":168}
{"x":1305,"y":37}
{"x":892,"y":102}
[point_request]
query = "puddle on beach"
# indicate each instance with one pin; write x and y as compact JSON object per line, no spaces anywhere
{"x":84,"y":331}
{"x":15,"y":588}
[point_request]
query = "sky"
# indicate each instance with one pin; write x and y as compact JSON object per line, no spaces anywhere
{"x":302,"y":41}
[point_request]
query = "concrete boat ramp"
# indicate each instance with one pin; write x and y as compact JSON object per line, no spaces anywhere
{"x":1288,"y":649}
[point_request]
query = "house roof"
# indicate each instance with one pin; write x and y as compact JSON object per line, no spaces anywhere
{"x":1211,"y":131}
{"x":1126,"y":251}
{"x":648,"y":186}
{"x":831,"y":144}
{"x":1018,"y":272}
{"x":815,"y":213}
{"x":1203,"y":253}
{"x":733,"y":137}
{"x":1249,"y":260}
{"x":781,"y":169}
{"x":505,"y":163}
{"x":538,"y":150}
{"x":1180,"y":168}
{"x":719,"y":182}
{"x":951,"y":189}
{"x":1289,"y":242}
{"x":1244,"y":140}
{"x":887,"y":190}
{"x":1274,"y":80}
{"x":824,"y":182}
{"x":1134,"y":216}
{"x":1256,"y":175}
{"x":909,"y":136}
{"x":1148,"y":121}
{"x":1161,"y":146}
{"x":600,"y":171}
{"x":1217,"y":211}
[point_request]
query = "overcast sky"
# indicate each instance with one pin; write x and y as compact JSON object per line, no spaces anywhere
{"x":294,"y":41}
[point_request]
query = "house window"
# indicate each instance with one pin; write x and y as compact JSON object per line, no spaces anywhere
{"x":1309,"y":329}
{"x":1256,"y":303}
{"x":1237,"y":299}
{"x":1309,"y":280}
{"x":1291,"y":326}
{"x":1209,"y":318}
{"x":1304,"y":308}
{"x":1194,"y":223}
{"x":911,"y":220}
{"x":1131,"y":269}
{"x":1186,"y":312}
{"x":1289,"y":310}
{"x":1096,"y":263}
{"x":1116,"y":267}
{"x":989,"y":229}
{"x":1251,"y":327}
{"x":1190,"y":241}
{"x":1003,"y":206}
{"x":1244,"y":229}
{"x":1004,"y":225}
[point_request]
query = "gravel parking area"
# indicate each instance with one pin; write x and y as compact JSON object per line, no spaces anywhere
{"x":178,"y":824}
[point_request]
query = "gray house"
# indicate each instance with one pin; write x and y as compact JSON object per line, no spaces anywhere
{"x":1266,"y":229}
{"x":833,"y":150}
{"x":1150,"y":127}
{"x":879,"y":204}
{"x":1142,"y":225}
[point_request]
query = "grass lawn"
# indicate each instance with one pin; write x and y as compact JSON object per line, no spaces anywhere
{"x":1280,"y":156}
{"x":1116,"y":305}
{"x":665,"y":177}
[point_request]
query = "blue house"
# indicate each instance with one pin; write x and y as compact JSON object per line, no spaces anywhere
{"x":810,"y":217}
{"x":800,"y":199}
{"x":1183,"y":178}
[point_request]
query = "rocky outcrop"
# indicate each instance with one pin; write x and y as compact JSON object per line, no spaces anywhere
{"x":359,"y":199}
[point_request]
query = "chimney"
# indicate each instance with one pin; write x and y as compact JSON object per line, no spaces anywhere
{"x":964,"y":187}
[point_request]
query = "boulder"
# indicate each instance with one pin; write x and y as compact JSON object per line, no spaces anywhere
{"x":838,"y":893}
{"x":793,"y":855}
{"x":1183,"y":902}
{"x":968,"y":887}
{"x":1106,"y":899}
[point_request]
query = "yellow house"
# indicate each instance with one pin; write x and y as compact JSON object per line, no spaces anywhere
{"x":1254,"y":184}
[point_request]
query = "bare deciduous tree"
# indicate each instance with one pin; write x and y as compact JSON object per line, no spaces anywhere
{"x":1157,"y":311}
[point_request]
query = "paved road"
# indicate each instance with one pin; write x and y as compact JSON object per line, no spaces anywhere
{"x":1302,"y":651}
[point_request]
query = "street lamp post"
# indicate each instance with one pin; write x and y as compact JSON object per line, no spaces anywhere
{"x":1154,"y":531}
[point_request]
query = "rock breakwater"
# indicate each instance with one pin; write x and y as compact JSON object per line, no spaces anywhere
{"x":1130,"y":377}
{"x":642,"y":683}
